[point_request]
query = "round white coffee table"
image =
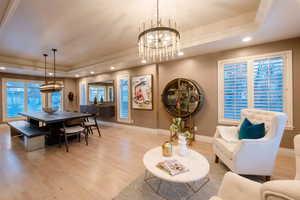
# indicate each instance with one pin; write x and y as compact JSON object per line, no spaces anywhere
{"x":196,"y":163}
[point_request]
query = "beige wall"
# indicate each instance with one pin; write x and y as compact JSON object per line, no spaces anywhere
{"x":203,"y":69}
{"x":144,"y":118}
{"x":70,"y":85}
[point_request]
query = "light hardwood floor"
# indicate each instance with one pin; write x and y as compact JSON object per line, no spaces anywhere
{"x":98,"y":171}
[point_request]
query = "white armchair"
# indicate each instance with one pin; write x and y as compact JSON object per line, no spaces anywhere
{"x":248,"y":156}
{"x":235,"y":187}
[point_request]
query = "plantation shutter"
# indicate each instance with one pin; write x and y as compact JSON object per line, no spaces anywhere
{"x":235,"y":89}
{"x":269,"y":84}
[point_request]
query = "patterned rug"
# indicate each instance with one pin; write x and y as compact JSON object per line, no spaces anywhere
{"x":140,"y":190}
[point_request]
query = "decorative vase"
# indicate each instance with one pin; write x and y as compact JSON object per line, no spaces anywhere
{"x":183,"y":149}
{"x":167,"y":149}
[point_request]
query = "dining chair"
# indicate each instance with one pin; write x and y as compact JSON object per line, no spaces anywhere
{"x":68,"y":131}
{"x":90,"y":123}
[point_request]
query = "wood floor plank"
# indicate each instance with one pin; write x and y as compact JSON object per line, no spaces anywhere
{"x":97,"y":171}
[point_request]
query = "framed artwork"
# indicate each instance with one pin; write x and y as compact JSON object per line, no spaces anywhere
{"x":142,"y":97}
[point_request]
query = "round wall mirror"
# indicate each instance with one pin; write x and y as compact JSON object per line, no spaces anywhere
{"x":183,"y":97}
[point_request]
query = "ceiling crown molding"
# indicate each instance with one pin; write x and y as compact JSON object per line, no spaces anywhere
{"x":9,"y":12}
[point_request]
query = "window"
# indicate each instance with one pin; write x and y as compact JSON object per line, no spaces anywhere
{"x":83,"y":100}
{"x":123,"y":98}
{"x":34,"y":100}
{"x":97,"y":92}
{"x":15,"y":95}
{"x":25,"y":96}
{"x":20,"y":96}
{"x":261,"y":82}
{"x":56,"y":100}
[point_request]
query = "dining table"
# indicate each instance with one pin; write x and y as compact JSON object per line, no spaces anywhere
{"x":52,"y":122}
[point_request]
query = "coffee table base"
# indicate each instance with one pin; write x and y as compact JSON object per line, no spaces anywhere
{"x":149,"y":176}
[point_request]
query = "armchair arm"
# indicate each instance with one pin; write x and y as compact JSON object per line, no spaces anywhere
{"x":281,"y":190}
{"x":263,"y":151}
{"x":235,"y":187}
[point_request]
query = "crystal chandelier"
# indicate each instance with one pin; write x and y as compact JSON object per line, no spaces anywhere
{"x":158,"y":41}
{"x":51,"y":86}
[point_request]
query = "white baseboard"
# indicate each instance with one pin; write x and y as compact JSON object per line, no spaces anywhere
{"x":201,"y":138}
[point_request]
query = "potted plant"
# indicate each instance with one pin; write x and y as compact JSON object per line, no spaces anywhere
{"x":174,"y":128}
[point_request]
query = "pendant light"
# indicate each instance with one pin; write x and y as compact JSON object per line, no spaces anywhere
{"x":51,"y":86}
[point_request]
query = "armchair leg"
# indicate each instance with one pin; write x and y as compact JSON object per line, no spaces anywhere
{"x":216,"y":159}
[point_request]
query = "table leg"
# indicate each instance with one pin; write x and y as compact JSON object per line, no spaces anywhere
{"x":148,"y":177}
{"x":195,"y":191}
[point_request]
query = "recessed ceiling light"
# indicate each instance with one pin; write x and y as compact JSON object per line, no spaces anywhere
{"x":92,"y":72}
{"x":180,"y":53}
{"x":50,"y":73}
{"x":112,"y":68}
{"x":2,"y":68}
{"x":247,"y":39}
{"x":76,"y":75}
{"x":144,"y":61}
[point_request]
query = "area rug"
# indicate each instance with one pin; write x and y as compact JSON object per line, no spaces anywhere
{"x":139,"y":190}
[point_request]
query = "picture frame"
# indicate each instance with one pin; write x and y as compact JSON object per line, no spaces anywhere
{"x":142,"y":92}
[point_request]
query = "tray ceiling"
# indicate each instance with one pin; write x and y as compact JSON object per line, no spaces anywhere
{"x":90,"y":33}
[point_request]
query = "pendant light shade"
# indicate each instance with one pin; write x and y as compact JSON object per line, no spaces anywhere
{"x":51,"y":86}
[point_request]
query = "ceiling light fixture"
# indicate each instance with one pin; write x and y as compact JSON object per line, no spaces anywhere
{"x":51,"y":86}
{"x":76,"y":75}
{"x":246,"y":39}
{"x":158,"y":41}
{"x":2,"y":68}
{"x":144,"y":61}
{"x":112,"y":68}
{"x":92,"y":72}
{"x":50,"y":73}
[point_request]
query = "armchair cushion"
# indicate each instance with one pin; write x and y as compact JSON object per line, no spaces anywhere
{"x":228,"y":133}
{"x":251,"y":131}
{"x":235,"y":187}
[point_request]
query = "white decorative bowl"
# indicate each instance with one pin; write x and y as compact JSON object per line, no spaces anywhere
{"x":50,"y":110}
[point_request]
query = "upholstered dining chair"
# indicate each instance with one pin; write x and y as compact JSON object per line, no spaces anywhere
{"x":90,"y":123}
{"x":68,"y":131}
{"x":251,"y":156}
{"x":235,"y":187}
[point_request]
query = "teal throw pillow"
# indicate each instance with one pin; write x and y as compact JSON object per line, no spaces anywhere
{"x":251,"y":131}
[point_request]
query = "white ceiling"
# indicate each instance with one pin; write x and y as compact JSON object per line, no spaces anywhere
{"x":95,"y":34}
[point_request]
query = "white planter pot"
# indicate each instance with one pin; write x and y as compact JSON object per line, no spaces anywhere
{"x":183,"y":149}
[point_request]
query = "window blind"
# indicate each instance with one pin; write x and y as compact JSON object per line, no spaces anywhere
{"x":235,"y":89}
{"x":269,"y":84}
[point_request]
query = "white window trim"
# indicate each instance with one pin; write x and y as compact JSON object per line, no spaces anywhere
{"x":83,"y":84}
{"x":4,"y":80}
{"x":288,"y":78}
{"x":119,"y":77}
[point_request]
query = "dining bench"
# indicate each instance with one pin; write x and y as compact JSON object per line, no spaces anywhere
{"x":33,"y":137}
